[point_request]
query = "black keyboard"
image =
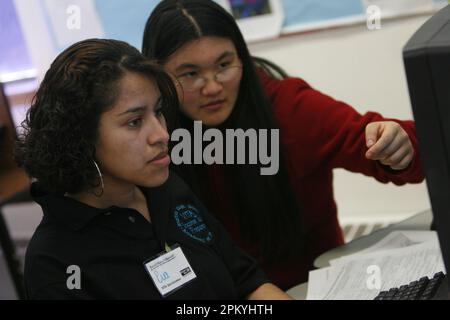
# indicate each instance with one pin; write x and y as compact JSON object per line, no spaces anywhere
{"x":422,"y":289}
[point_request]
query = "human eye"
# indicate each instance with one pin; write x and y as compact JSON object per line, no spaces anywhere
{"x":135,"y":123}
{"x":189,"y":75}
{"x":159,"y":110}
{"x":224,"y":64}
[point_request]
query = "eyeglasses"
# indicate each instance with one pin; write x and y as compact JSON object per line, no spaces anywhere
{"x":193,"y":81}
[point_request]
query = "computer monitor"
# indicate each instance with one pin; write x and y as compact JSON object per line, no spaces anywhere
{"x":427,"y":64}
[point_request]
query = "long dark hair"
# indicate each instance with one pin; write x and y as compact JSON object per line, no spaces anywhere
{"x":267,"y":208}
{"x":57,"y":145}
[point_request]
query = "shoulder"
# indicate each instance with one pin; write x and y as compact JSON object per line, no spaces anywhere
{"x":46,"y":256}
{"x":298,"y":108}
{"x":52,"y":242}
{"x":276,"y":88}
{"x":292,"y":99}
{"x":49,"y":237}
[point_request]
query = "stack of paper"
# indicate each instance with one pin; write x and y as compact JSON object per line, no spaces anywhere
{"x":398,"y":259}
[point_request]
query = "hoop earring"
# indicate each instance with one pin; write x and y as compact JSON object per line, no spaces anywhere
{"x":101,"y":179}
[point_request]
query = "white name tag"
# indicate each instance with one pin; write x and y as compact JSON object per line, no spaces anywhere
{"x":170,"y":271}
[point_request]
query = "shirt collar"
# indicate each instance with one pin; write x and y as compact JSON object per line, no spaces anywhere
{"x":76,"y":215}
{"x":65,"y":210}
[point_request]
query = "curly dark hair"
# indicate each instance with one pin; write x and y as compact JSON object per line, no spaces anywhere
{"x":57,"y":145}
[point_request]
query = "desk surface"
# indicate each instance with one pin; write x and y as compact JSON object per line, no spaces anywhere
{"x":420,"y":221}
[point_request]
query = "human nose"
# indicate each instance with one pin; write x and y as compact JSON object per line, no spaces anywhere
{"x":212,"y":86}
{"x":158,"y":132}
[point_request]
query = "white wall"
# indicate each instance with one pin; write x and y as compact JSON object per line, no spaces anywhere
{"x":365,"y":69}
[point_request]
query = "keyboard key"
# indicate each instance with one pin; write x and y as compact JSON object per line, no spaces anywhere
{"x":421,"y":289}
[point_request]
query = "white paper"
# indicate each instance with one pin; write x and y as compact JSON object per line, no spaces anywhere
{"x":349,"y":278}
{"x":394,"y":240}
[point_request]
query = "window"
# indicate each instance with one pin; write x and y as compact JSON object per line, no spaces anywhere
{"x":15,"y":63}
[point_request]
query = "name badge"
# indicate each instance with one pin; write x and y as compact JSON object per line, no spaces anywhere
{"x":170,"y":271}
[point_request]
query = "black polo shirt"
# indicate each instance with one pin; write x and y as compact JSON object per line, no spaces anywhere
{"x":110,"y":246}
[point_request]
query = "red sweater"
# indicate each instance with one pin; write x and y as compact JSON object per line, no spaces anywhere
{"x":317,"y":134}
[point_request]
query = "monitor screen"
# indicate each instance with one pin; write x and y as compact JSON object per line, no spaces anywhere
{"x":427,"y":65}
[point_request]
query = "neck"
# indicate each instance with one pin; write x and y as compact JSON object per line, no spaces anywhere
{"x":114,"y":193}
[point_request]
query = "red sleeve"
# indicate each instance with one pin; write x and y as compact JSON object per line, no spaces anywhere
{"x":316,"y":130}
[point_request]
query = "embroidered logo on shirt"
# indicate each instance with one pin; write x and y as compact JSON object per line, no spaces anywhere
{"x":191,"y":223}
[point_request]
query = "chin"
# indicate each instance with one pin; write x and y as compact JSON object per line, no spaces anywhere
{"x":214,"y":120}
{"x":156,"y":179}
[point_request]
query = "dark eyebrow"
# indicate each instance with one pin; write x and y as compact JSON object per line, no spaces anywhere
{"x":140,"y":108}
{"x":226,"y":54}
{"x":185,"y":66}
{"x":193,"y":66}
{"x":132,"y":110}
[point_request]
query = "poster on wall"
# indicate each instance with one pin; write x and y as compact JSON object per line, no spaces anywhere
{"x":389,"y":8}
{"x":49,"y":26}
{"x":257,"y":19}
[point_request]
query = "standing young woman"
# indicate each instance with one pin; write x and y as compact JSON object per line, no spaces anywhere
{"x":117,"y":224}
{"x":287,"y":219}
